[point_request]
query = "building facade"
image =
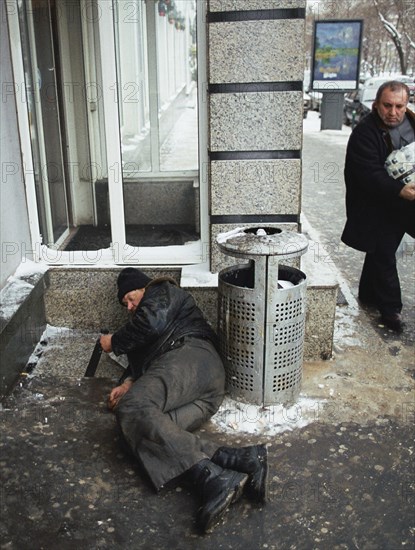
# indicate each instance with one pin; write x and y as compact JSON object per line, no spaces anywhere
{"x":135,"y":131}
{"x":148,"y":126}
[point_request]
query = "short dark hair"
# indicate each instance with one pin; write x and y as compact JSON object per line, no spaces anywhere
{"x":393,"y":86}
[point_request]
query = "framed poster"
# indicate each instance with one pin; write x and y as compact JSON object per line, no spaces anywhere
{"x":336,"y":54}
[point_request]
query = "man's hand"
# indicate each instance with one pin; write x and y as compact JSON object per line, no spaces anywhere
{"x":117,"y":393}
{"x":408,"y":192}
{"x":105,"y":341}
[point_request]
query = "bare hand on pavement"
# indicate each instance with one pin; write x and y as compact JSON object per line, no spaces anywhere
{"x":117,"y":393}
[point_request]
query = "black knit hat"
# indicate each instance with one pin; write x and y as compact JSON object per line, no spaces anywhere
{"x":130,"y":279}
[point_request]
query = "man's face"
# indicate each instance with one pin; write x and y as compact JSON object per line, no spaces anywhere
{"x":392,"y":106}
{"x":132,"y":299}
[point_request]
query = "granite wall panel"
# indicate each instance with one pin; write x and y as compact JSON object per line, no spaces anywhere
{"x":248,"y":187}
{"x":256,"y":121}
{"x":278,"y":54}
{"x":239,"y":5}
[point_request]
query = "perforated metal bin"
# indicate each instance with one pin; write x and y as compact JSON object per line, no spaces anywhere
{"x":261,"y":317}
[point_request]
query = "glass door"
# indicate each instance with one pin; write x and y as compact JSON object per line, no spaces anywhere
{"x":155,"y":44}
{"x":40,"y":56}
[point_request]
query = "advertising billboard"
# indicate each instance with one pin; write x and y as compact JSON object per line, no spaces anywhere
{"x":336,"y":55}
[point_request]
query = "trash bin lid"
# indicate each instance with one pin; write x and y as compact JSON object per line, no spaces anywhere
{"x":262,"y":241}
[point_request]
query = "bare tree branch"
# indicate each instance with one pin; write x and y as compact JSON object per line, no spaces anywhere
{"x":395,"y":35}
{"x":410,"y":41}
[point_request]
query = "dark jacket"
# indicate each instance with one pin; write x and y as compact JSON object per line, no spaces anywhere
{"x":164,"y":316}
{"x":372,"y":196}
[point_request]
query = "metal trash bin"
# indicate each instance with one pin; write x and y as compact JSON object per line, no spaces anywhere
{"x":261,"y":316}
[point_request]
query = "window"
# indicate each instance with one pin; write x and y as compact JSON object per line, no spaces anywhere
{"x":157,"y":90}
{"x":155,"y":44}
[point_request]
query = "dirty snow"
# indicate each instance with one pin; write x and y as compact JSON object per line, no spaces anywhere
{"x":198,"y":275}
{"x":312,"y":124}
{"x":233,"y":416}
{"x":28,"y":268}
{"x":223,"y":237}
{"x":48,"y":336}
{"x":345,"y":323}
{"x":12,"y":295}
{"x":237,"y":417}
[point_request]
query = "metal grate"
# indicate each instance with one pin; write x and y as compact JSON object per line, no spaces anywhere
{"x":263,"y":364}
{"x":261,"y":321}
{"x":244,"y":311}
{"x":289,"y":357}
{"x":286,"y":381}
{"x":288,"y":333}
{"x":286,"y":311}
{"x":240,"y":380}
{"x":236,"y":356}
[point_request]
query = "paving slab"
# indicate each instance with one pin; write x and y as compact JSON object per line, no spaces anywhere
{"x":344,"y":481}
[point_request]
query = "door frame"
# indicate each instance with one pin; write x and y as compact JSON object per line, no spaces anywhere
{"x":41,"y":133}
{"x":24,"y":129}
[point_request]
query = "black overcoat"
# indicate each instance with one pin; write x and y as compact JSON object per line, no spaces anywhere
{"x":164,"y":316}
{"x":372,"y":196}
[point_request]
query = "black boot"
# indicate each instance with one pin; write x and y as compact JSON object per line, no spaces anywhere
{"x":218,"y":489}
{"x":251,"y":460}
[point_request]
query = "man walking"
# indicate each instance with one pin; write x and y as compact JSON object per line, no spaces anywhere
{"x":380,"y":209}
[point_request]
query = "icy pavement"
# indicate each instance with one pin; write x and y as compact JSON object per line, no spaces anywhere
{"x":68,"y":481}
{"x":341,"y":457}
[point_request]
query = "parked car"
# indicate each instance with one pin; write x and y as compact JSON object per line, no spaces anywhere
{"x":358,"y":103}
{"x":410,"y":82}
{"x":369,"y":91}
{"x":351,"y":108}
{"x":316,"y":98}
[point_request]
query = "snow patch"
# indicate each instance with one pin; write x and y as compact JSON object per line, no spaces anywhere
{"x":13,"y":295}
{"x":47,"y":336}
{"x":223,"y":237}
{"x":312,"y":124}
{"x":28,"y":268}
{"x":18,"y":286}
{"x":237,"y":417}
{"x":346,"y":329}
{"x":198,"y":275}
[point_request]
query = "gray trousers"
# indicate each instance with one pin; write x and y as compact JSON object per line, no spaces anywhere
{"x":180,"y":391}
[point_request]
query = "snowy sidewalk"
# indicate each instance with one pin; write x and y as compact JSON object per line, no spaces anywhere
{"x":341,"y":476}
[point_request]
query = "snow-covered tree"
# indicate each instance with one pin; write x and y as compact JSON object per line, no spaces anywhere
{"x":397,"y":18}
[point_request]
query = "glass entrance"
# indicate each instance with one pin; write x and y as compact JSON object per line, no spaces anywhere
{"x":113,"y":108}
{"x":40,"y":55}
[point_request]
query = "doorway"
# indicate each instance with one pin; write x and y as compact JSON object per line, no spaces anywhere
{"x":40,"y":49}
